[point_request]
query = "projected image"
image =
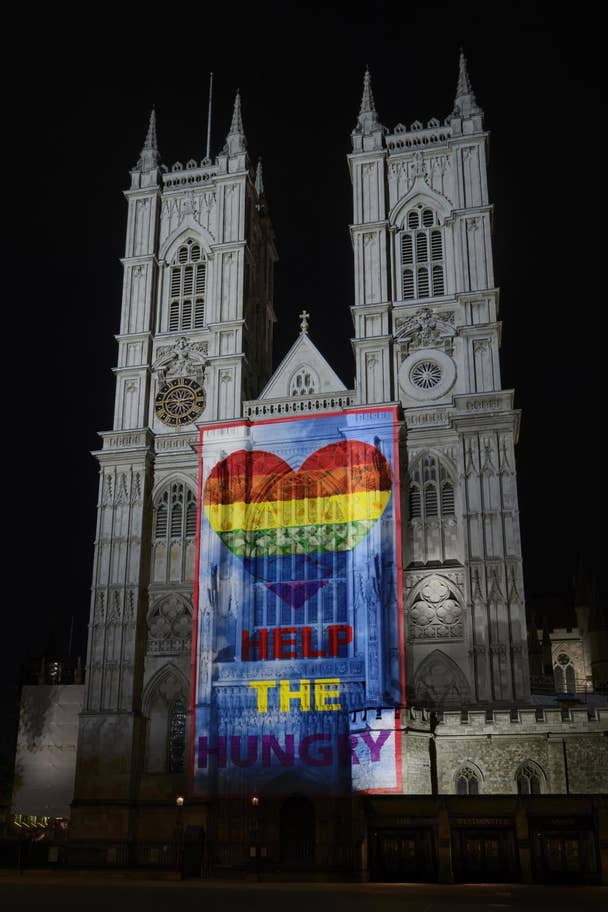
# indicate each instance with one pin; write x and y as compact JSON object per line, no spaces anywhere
{"x":297,"y":641}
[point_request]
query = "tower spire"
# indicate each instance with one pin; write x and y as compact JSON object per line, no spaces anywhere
{"x":367,"y":100}
{"x":149,"y":157}
{"x":464,"y":103}
{"x":235,"y":141}
{"x":367,"y":121}
{"x":259,"y":189}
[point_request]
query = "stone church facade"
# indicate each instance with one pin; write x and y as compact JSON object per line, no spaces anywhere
{"x":486,"y":765}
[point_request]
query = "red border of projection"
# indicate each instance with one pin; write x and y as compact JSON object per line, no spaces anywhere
{"x":242,"y":422}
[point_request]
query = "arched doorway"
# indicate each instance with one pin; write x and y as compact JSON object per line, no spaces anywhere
{"x":297,"y":833}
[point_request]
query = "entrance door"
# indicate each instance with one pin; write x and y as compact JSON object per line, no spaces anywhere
{"x":404,"y":856}
{"x":566,"y":856}
{"x":297,"y":833}
{"x":482,"y":855}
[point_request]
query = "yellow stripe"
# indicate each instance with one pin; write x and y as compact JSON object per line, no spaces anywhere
{"x":337,"y":508}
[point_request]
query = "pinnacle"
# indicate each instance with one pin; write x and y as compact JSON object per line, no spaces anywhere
{"x":259,"y":179}
{"x":236,"y":125}
{"x":367,"y":100}
{"x":367,"y":122}
{"x":151,"y":141}
{"x":149,"y":157}
{"x":465,"y":103}
{"x":464,"y":83}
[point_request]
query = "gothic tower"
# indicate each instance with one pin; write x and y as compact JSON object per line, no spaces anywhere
{"x":195,"y":340}
{"x":427,"y":335}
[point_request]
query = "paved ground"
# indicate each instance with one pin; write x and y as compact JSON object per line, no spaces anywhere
{"x":42,"y":892}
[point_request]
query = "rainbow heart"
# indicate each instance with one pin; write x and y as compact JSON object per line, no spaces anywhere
{"x":289,"y":526}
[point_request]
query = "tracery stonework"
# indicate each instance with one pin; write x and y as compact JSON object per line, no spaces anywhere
{"x":435,"y":613}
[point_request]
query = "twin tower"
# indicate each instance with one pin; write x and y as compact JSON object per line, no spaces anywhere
{"x":194,"y":351}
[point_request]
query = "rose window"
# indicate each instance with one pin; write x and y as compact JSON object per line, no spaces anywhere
{"x":425,"y":375}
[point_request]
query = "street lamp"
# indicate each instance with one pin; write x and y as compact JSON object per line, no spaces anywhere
{"x":255,"y":804}
{"x":179,"y":802}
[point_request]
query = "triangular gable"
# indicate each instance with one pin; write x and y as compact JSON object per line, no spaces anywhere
{"x":303,"y":359}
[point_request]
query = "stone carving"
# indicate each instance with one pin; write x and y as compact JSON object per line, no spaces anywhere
{"x":169,"y":624}
{"x":184,"y":359}
{"x":440,"y":681}
{"x":436,"y":612}
{"x":426,"y":329}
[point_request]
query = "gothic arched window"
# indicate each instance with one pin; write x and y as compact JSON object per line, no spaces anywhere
{"x":174,"y":532}
{"x":564,"y":674}
{"x":467,"y":781}
{"x":187,"y":281}
{"x":171,"y":519}
{"x":528,"y":779}
{"x":303,"y":383}
{"x":176,"y":743}
{"x":422,"y":256}
{"x":431,"y":489}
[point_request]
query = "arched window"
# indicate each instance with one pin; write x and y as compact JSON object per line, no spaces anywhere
{"x":171,"y":520}
{"x":422,"y":255}
{"x":304,"y":382}
{"x":564,"y":674}
{"x":187,"y":281}
{"x":467,"y":781}
{"x":431,"y":489}
{"x":415,"y":504}
{"x":528,"y":779}
{"x":176,"y":742}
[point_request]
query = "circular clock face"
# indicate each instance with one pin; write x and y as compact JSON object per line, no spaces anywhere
{"x":179,"y":401}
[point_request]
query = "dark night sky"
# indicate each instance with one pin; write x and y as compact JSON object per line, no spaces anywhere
{"x":79,"y":105}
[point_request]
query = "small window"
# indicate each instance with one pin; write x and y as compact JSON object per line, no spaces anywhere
{"x":408,"y":283}
{"x":177,"y":737}
{"x":430,"y":500}
{"x":467,"y":782}
{"x":190,"y":515}
{"x":564,"y":674}
{"x":437,"y":280}
{"x":528,"y":780}
{"x":174,"y":316}
{"x":423,"y":283}
{"x":412,"y":219}
{"x":447,"y":499}
{"x":200,"y":280}
{"x":160,"y":530}
{"x":421,"y":248}
{"x":427,"y":218}
{"x":407,"y":252}
{"x":199,"y":313}
{"x":436,"y":247}
{"x":177,"y":499}
{"x":415,"y":505}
